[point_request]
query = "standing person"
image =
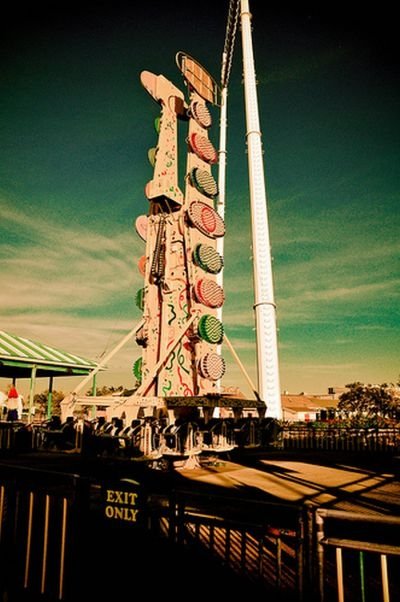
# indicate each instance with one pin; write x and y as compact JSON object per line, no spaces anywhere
{"x":14,"y":404}
{"x":3,"y":406}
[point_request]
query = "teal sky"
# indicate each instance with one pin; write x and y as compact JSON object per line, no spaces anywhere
{"x":75,"y":127}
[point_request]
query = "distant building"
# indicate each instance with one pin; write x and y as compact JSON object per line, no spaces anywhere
{"x":307,"y":408}
{"x":298,"y":407}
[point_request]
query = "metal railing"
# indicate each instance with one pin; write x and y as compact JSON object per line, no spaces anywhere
{"x":41,"y":514}
{"x":354,"y":553}
{"x":15,"y":437}
{"x":342,"y":439}
{"x":51,"y":522}
{"x":294,"y":553}
{"x":261,"y":542}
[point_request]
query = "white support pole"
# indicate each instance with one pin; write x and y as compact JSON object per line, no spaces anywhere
{"x":264,"y":304}
{"x":108,"y":357}
{"x":239,"y":363}
{"x":222,"y":181}
{"x":227,"y":56}
{"x":221,"y":194}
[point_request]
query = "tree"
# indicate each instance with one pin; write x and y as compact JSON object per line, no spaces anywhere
{"x":40,"y":401}
{"x":369,"y":401}
{"x":110,"y":389}
{"x":395,"y":405}
{"x":105,"y":390}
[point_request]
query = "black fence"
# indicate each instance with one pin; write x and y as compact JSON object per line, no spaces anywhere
{"x":357,"y":556}
{"x":220,"y":436}
{"x":42,"y":514}
{"x":385,"y":440}
{"x":16,"y":437}
{"x":104,"y":535}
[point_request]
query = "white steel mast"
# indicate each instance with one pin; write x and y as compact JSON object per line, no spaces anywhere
{"x":264,"y":303}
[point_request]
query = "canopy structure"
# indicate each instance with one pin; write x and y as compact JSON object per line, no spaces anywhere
{"x":23,"y":358}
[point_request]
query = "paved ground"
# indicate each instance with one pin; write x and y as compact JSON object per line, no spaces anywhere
{"x":337,"y":480}
{"x":358,"y":482}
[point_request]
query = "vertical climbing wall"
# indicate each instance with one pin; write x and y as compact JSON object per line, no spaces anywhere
{"x":180,"y":295}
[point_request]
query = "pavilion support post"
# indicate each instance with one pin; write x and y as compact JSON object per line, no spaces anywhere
{"x":32,"y":391}
{"x":50,"y":398}
{"x":94,"y":390}
{"x":94,"y":385}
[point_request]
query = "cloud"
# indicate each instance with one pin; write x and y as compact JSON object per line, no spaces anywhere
{"x":373,"y":327}
{"x":326,"y":259}
{"x":323,"y":270}
{"x":73,"y":287}
{"x":59,"y":268}
{"x":316,"y":368}
{"x":355,"y":293}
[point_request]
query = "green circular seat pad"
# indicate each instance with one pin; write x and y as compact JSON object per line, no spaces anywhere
{"x":137,"y":369}
{"x":211,"y":329}
{"x":139,"y":299}
{"x":204,"y":182}
{"x":207,"y":258}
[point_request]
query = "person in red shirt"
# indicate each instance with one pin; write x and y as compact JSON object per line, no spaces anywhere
{"x":14,"y":404}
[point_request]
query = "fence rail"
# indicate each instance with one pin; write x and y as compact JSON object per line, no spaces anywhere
{"x":357,"y":553}
{"x":41,"y":514}
{"x":342,"y":439}
{"x":51,"y":523}
{"x":261,"y":542}
{"x":17,"y":437}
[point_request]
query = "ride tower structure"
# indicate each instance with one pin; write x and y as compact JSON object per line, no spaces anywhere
{"x":180,"y":296}
{"x":183,"y":291}
{"x":181,"y":333}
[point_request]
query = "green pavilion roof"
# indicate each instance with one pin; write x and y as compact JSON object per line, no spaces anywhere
{"x":18,"y":355}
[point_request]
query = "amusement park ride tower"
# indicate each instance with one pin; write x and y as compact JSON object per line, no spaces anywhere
{"x":181,"y":295}
{"x":181,"y":335}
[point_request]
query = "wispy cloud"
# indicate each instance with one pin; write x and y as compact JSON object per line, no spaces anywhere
{"x":59,"y":268}
{"x":67,"y":285}
{"x":323,"y":284}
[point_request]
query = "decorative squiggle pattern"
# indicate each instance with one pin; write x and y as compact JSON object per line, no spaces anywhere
{"x":184,"y":308}
{"x":173,"y":355}
{"x":167,"y":388}
{"x":181,"y":359}
{"x":173,"y":314}
{"x":187,"y":391}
